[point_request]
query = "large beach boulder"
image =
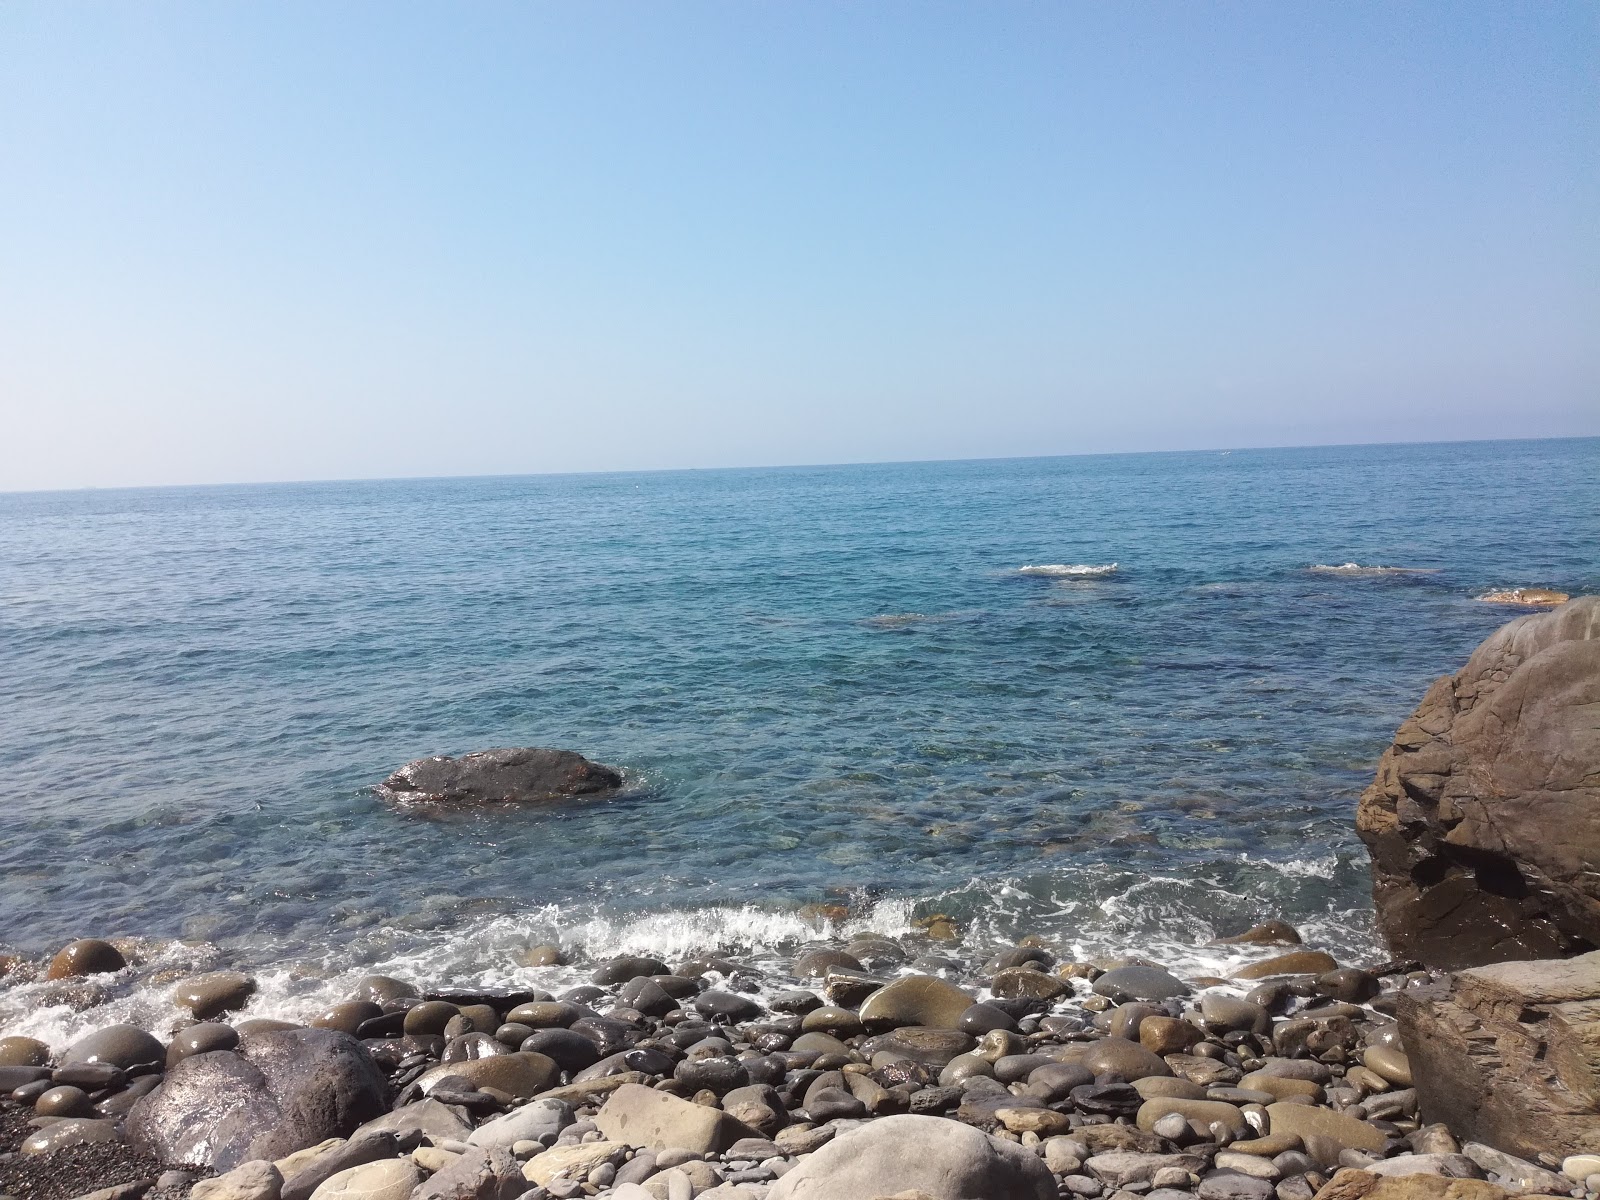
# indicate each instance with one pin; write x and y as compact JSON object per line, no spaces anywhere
{"x":1509,"y":1054}
{"x":511,"y":776}
{"x":279,"y":1092}
{"x":1484,"y":820}
{"x":939,"y":1158}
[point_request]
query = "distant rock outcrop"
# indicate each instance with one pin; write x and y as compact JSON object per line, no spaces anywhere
{"x":1484,"y":819}
{"x":511,"y":776}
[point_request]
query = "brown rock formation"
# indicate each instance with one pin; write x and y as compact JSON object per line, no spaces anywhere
{"x":1484,"y":819}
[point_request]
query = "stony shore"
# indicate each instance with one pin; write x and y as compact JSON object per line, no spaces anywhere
{"x":870,"y":1068}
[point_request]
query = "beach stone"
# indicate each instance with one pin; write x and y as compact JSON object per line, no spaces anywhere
{"x":1281,"y":1087}
{"x":1235,"y":1185}
{"x":1139,"y":983}
{"x":391,"y":1179}
{"x":759,"y":1106}
{"x":819,"y":1044}
{"x":980,"y":1019}
{"x":201,"y":1039}
{"x":1322,"y":1126}
{"x":1045,"y":1122}
{"x":916,"y":1000}
{"x":929,"y":1046}
{"x":256,"y":1180}
{"x":547,"y":954}
{"x":23,"y":1052}
{"x":478,"y":1174}
{"x":1455,"y":1166}
{"x":86,"y":956}
{"x":943,"y":1159}
{"x":429,"y":1118}
{"x":816,"y":964}
{"x":1580,"y":1166}
{"x":1349,"y":985}
{"x":1296,"y":962}
{"x":1167,"y":1035}
{"x":640,"y":1116}
{"x":620,"y":970}
{"x":302,"y":1178}
{"x":122,"y":1046}
{"x":1268,"y":933}
{"x":1227,"y":1014}
{"x":545,"y":1014}
{"x":1122,"y":1168}
{"x":73,"y":1131}
{"x":208,"y":996}
{"x":1389,"y":1064}
{"x":727,"y":1006}
{"x":91,"y":1077}
{"x":1479,"y":820}
{"x":1207,"y":1072}
{"x":277,"y":1093}
{"x":571,"y":1051}
{"x":515,"y":775}
{"x":1152,"y":1086}
{"x":532,"y":1122}
{"x":1512,"y":1172}
{"x":1119,"y":1056}
{"x":518,"y":1075}
{"x":1201,"y":1114}
{"x":1023,"y":983}
{"x":429,"y":1017}
{"x":848,"y":988}
{"x":381,"y":989}
{"x":64,"y":1102}
{"x":1349,"y":1184}
{"x":347,"y":1017}
{"x":571,"y":1162}
{"x":718,"y":1074}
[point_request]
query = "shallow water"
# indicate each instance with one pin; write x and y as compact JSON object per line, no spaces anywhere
{"x":917,"y":687}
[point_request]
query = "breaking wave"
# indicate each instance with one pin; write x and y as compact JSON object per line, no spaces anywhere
{"x":1351,"y":568}
{"x":1069,"y":570}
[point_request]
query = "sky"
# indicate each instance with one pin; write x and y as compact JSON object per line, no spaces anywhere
{"x":278,"y":241}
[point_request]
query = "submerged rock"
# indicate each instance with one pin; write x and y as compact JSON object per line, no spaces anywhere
{"x":1481,"y":820}
{"x":516,"y":775}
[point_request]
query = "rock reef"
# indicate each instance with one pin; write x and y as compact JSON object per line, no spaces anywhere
{"x":517,"y":775}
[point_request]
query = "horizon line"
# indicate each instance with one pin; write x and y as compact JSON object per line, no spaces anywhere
{"x":804,"y":466}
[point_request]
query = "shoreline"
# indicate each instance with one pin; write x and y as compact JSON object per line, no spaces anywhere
{"x":1075,"y":1064}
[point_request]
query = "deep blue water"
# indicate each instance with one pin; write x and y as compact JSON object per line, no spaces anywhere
{"x":825,"y":681}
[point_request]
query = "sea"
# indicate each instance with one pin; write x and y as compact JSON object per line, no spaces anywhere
{"x":1125,"y":703}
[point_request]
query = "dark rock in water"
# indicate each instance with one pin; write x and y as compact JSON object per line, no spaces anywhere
{"x":626,"y":967}
{"x":1481,"y":820}
{"x":1504,"y":1054}
{"x":86,"y":956}
{"x":510,"y":776}
{"x":278,"y":1093}
{"x":571,"y":1051}
{"x":1139,"y":983}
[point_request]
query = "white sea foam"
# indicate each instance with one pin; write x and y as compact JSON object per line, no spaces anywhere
{"x":1093,"y":912}
{"x":1352,"y":568}
{"x":1069,"y":570}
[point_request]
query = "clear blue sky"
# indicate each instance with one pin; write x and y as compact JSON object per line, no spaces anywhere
{"x":248,"y":241}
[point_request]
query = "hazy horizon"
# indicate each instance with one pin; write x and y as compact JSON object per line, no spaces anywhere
{"x":776,"y":466}
{"x":294,"y":243}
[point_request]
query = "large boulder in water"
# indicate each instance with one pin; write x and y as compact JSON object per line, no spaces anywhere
{"x":1484,"y":820}
{"x":510,"y":776}
{"x":277,"y":1093}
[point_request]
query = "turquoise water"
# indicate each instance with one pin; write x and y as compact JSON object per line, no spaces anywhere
{"x":822,"y":683}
